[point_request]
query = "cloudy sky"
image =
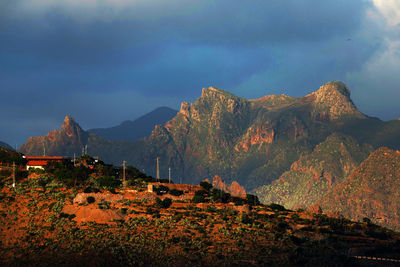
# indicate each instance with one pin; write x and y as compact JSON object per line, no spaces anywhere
{"x":106,"y":61}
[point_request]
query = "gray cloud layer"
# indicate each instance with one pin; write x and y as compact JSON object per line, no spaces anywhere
{"x":86,"y":58}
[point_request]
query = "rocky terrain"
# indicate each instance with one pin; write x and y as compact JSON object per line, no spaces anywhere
{"x":235,"y":189}
{"x":251,"y":141}
{"x":312,"y":176}
{"x":370,"y":191}
{"x":45,"y":222}
{"x":291,"y":151}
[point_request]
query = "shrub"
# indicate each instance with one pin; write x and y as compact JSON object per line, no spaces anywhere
{"x":175,"y":192}
{"x":244,"y":218}
{"x":198,"y":199}
{"x":206,"y":185}
{"x":276,"y":207}
{"x":252,"y":200}
{"x":90,"y":199}
{"x":164,"y":204}
{"x":108,"y":182}
{"x":218,"y":195}
{"x":91,"y":190}
{"x":238,"y":200}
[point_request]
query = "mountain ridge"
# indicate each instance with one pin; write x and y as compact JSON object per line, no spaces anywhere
{"x":2,"y":144}
{"x":251,"y":141}
{"x":139,"y":128}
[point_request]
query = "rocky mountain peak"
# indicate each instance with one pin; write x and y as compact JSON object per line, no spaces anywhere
{"x":216,"y":93}
{"x":332,"y":101}
{"x":70,"y":126}
{"x":333,"y":89}
{"x":235,"y":189}
{"x":185,"y":108}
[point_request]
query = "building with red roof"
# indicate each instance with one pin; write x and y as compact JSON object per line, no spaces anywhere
{"x":40,"y":162}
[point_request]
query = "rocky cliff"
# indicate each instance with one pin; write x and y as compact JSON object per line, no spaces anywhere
{"x":68,"y":140}
{"x":253,"y":141}
{"x":371,"y":191}
{"x":235,"y":189}
{"x":312,"y":176}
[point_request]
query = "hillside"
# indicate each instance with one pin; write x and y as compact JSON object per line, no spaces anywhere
{"x":312,"y":176}
{"x":137,"y":129}
{"x":2,"y":144}
{"x":371,"y":190}
{"x":45,"y":222}
{"x":250,"y":141}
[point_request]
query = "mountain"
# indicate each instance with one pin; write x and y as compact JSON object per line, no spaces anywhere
{"x":65,"y":142}
{"x":235,"y":189}
{"x":2,"y":144}
{"x":312,"y":176}
{"x":371,"y":190}
{"x":137,"y":129}
{"x":255,"y":141}
{"x":252,"y":142}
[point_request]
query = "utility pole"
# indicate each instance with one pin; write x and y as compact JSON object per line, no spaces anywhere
{"x":44,"y":150}
{"x":123,"y":173}
{"x":158,"y":169}
{"x":13,"y":174}
{"x":169,"y":174}
{"x":85,"y":149}
{"x":74,"y":160}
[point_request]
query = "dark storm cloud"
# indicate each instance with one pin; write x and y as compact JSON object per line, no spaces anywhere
{"x":85,"y":58}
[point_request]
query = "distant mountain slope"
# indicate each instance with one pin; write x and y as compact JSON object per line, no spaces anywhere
{"x":312,"y":176}
{"x":65,"y":142}
{"x":251,"y":141}
{"x":2,"y":144}
{"x":72,"y":139}
{"x":137,"y":129}
{"x":372,"y":190}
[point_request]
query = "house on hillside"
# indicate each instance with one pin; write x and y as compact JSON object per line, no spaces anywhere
{"x":40,"y":162}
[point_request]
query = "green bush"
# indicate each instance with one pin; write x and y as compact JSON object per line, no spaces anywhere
{"x":206,"y":185}
{"x":238,"y":201}
{"x":164,"y":204}
{"x":218,"y":195}
{"x":252,"y":200}
{"x":175,"y":192}
{"x":276,"y":207}
{"x":244,"y":218}
{"x":91,"y":190}
{"x":198,"y":199}
{"x":108,"y":182}
{"x":90,"y":199}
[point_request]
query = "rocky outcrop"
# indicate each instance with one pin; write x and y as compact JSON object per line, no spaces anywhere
{"x":68,"y":140}
{"x":314,"y":175}
{"x":370,"y":191}
{"x":235,"y":189}
{"x":332,"y":101}
{"x":256,"y":136}
{"x":254,"y":141}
